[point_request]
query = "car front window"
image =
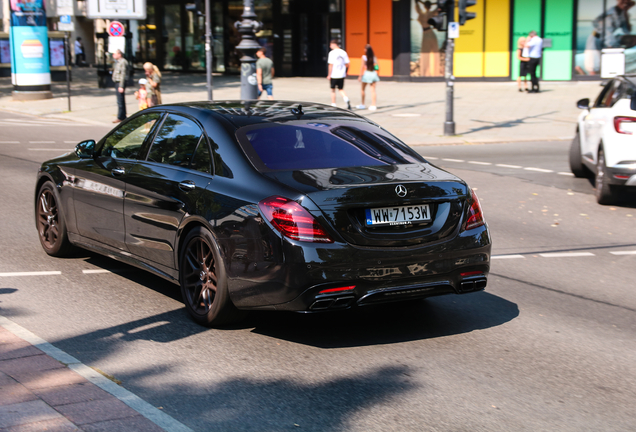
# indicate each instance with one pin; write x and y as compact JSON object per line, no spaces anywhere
{"x":126,"y":141}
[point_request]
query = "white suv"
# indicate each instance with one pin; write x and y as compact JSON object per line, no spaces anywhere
{"x":605,"y":140}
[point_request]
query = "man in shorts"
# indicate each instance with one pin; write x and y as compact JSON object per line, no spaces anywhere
{"x":338,"y":64}
{"x":264,"y":74}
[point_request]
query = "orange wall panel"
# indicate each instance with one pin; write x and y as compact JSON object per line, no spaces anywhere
{"x":381,"y":34}
{"x":379,"y":17}
{"x":356,"y":32}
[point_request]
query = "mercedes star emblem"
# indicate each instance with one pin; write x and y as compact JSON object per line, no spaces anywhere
{"x":400,"y":190}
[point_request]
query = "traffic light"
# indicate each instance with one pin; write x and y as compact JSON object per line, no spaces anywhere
{"x":463,"y":14}
{"x":443,"y":12}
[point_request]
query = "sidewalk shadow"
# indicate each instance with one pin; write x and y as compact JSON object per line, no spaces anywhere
{"x":388,"y":108}
{"x":502,"y":125}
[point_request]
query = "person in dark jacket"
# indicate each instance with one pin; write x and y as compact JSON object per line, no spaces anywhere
{"x":119,"y":78}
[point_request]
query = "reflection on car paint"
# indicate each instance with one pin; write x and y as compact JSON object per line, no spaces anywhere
{"x":100,"y":188}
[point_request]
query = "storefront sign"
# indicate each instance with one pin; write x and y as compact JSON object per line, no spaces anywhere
{"x":453,"y":30}
{"x":64,"y":7}
{"x":116,"y":43}
{"x":66,"y":24}
{"x":120,"y":9}
{"x":29,"y":44}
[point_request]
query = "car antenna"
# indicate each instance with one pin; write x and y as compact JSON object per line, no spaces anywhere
{"x":298,"y":111}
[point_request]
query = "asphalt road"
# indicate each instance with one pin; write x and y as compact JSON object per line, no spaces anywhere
{"x":550,"y":345}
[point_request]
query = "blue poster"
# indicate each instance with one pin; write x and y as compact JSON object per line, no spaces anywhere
{"x":29,"y":44}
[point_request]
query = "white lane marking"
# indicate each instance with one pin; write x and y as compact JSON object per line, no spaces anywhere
{"x":37,"y":273}
{"x":507,"y":256}
{"x":624,"y":253}
{"x":509,"y":166}
{"x":430,"y":157}
{"x":51,"y":149}
{"x":453,"y":160}
{"x":479,"y":163}
{"x":566,"y":174}
{"x":566,"y":254}
{"x":98,"y":271}
{"x":156,"y":416}
{"x":9,"y":142}
{"x":41,"y":142}
{"x":538,"y":169}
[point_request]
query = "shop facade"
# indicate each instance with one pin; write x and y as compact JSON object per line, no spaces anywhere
{"x":295,"y":33}
{"x":574,"y":31}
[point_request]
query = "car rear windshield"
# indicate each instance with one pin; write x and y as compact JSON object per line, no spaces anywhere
{"x":320,"y":145}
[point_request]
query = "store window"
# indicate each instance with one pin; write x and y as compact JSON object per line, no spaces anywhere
{"x":146,"y":48}
{"x":173,"y":49}
{"x":603,"y":24}
{"x":427,"y":57}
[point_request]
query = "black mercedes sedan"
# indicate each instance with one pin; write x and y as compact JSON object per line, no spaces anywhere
{"x":266,"y":205}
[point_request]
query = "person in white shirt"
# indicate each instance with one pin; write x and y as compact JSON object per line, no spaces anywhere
{"x":338,"y":63}
{"x":534,"y":44}
{"x":79,"y":52}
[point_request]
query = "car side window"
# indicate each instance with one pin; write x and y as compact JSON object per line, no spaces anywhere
{"x":126,"y":141}
{"x":619,"y":89}
{"x":176,"y":141}
{"x":202,"y":160}
{"x":602,"y":96}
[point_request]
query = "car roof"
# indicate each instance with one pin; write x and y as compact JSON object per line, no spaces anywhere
{"x":244,"y":113}
{"x":631,"y":78}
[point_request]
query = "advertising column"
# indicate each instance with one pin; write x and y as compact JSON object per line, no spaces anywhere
{"x":30,"y":71}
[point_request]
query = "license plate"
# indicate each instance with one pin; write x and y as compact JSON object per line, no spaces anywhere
{"x":398,"y":215}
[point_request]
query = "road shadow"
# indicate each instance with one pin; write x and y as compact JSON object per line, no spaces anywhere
{"x":387,"y":324}
{"x":364,"y":326}
{"x":132,"y":273}
{"x":502,"y":125}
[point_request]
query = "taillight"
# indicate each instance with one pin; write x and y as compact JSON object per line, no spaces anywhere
{"x":475,"y":215}
{"x":338,"y":290}
{"x":292,"y":220}
{"x":625,"y":125}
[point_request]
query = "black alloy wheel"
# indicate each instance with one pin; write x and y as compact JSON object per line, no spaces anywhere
{"x":203,"y":281}
{"x":50,"y":222}
{"x":604,"y":192}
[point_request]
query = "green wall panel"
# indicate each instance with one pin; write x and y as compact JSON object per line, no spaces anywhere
{"x":526,"y":17}
{"x":557,"y":61}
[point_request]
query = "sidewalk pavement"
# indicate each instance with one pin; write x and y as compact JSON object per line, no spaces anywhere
{"x":45,"y":389}
{"x":414,"y":112}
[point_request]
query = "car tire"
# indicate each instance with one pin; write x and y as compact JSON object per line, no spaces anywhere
{"x":576,"y":163}
{"x":50,"y":223}
{"x":203,"y":281}
{"x":604,"y":192}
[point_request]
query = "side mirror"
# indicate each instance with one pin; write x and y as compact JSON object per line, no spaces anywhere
{"x":583,"y":104}
{"x":85,"y":149}
{"x":632,"y":102}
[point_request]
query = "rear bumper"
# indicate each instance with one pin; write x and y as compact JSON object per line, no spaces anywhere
{"x":379,"y":275}
{"x":622,"y":175}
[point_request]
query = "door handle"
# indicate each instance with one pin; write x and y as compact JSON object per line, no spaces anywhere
{"x":118,"y":171}
{"x":187,"y":186}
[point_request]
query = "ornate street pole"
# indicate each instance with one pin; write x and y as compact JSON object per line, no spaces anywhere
{"x":248,"y":29}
